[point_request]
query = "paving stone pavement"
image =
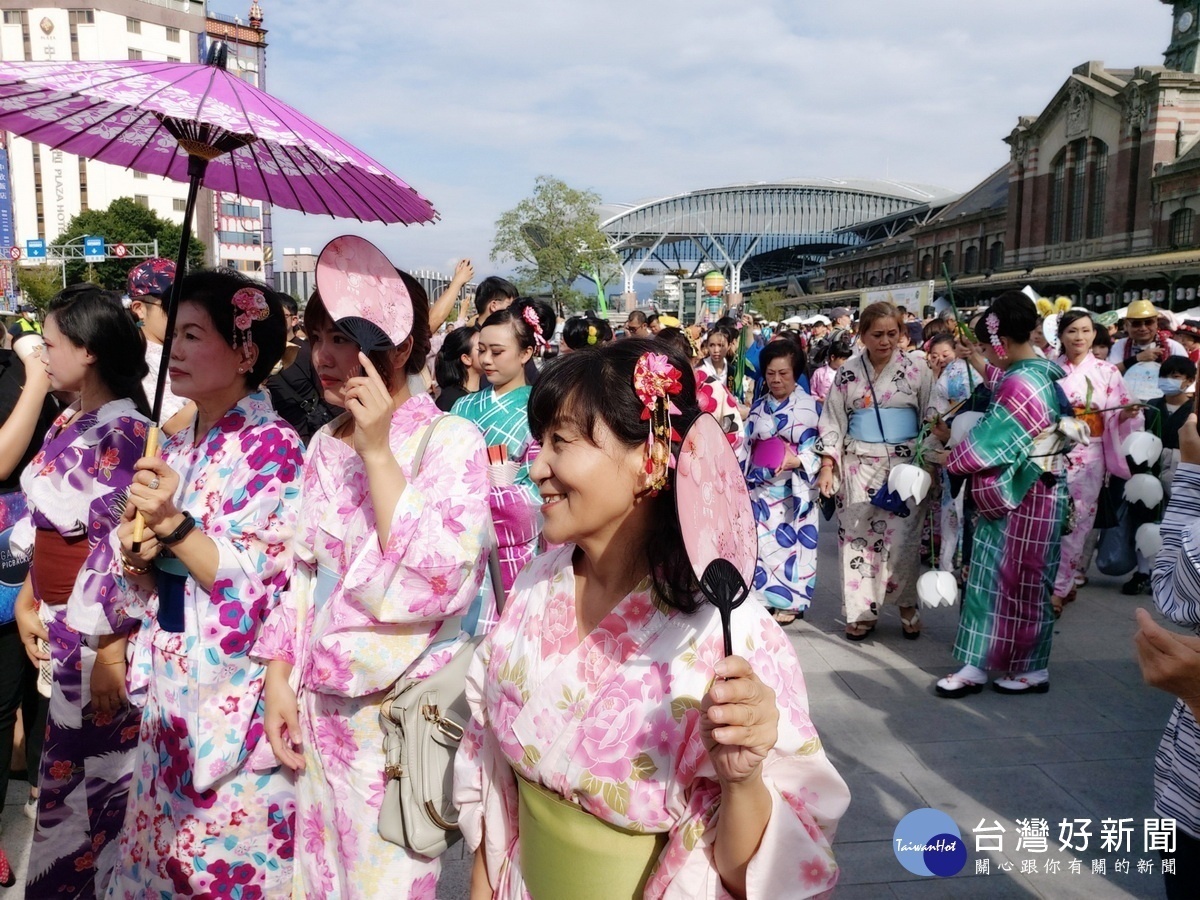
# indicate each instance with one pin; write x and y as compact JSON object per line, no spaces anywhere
{"x":1083,"y":750}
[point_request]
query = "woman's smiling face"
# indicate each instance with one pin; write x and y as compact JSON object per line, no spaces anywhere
{"x":588,"y":485}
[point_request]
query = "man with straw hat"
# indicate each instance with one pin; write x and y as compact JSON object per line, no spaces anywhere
{"x":1141,"y":352}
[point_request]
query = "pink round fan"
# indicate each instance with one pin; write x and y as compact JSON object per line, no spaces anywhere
{"x":716,"y":519}
{"x":364,"y":294}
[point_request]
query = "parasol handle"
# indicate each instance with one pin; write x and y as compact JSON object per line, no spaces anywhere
{"x":139,"y":524}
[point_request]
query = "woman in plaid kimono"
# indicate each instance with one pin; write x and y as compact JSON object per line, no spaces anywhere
{"x":1014,"y":456}
{"x":507,"y":342}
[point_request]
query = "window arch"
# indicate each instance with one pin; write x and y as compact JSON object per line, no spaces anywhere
{"x":1183,"y":227}
{"x":971,"y":260}
{"x":1058,"y":190}
{"x":926,"y":266}
{"x":948,"y":261}
{"x":996,"y":255}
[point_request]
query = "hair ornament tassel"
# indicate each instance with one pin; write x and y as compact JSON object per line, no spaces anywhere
{"x":992,"y":322}
{"x":531,"y":318}
{"x":655,"y":381}
{"x":252,"y":307}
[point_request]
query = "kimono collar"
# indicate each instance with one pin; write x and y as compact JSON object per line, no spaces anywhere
{"x":87,"y":429}
{"x":1088,"y":362}
{"x":253,"y":409}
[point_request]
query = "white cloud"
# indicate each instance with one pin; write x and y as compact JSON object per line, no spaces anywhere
{"x":470,"y":101}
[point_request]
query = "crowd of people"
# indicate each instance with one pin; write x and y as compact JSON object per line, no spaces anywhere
{"x":205,"y":632}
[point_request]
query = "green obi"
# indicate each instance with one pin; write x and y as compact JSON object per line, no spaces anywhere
{"x":568,"y":852}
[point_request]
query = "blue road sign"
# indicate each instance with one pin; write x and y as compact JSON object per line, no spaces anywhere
{"x":35,"y":249}
{"x":93,"y":248}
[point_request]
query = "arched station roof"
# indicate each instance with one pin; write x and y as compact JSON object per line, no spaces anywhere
{"x":771,"y":224}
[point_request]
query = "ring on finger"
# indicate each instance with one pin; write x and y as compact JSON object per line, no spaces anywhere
{"x":153,"y":485}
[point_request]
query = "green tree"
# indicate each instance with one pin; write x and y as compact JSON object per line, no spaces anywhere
{"x":770,"y":304}
{"x":125,"y":222}
{"x":554,"y":237}
{"x":39,"y":284}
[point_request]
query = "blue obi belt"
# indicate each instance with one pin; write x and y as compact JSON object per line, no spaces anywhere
{"x":900,"y":425}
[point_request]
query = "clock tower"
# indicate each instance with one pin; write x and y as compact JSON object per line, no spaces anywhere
{"x":1182,"y":53}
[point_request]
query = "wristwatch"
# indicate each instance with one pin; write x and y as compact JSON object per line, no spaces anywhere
{"x":184,"y":529}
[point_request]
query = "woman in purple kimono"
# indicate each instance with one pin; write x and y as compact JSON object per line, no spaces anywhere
{"x":1015,"y":456}
{"x":76,"y":488}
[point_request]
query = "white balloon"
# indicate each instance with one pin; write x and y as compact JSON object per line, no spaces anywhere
{"x":1145,"y":489}
{"x":921,"y":488}
{"x":1143,"y":448}
{"x":961,"y":424}
{"x":937,"y":588}
{"x":910,"y":482}
{"x":1148,"y":540}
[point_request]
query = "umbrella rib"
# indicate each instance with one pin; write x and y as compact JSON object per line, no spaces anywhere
{"x":269,"y":148}
{"x":287,"y":153}
{"x":270,"y":102}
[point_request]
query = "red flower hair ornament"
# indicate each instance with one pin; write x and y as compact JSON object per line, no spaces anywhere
{"x":655,"y":381}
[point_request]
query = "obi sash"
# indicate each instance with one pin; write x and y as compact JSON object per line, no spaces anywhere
{"x":170,"y":577}
{"x":568,"y":852}
{"x":900,"y":424}
{"x":56,"y":562}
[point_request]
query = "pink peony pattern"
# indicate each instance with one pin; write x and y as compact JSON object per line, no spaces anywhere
{"x":628,"y":747}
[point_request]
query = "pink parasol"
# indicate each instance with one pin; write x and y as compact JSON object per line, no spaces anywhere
{"x":204,"y":125}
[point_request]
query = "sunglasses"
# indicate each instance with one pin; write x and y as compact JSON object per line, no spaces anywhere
{"x":1138,"y":322}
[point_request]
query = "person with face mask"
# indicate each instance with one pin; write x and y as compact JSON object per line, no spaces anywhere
{"x":1176,"y":379}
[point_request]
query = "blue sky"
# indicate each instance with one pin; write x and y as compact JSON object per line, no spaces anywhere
{"x":470,"y":101}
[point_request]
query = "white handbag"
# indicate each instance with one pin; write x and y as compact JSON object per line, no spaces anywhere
{"x":423,"y":721}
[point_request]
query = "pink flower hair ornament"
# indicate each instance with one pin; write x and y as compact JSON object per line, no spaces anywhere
{"x":992,"y":323}
{"x":252,"y":307}
{"x":529,"y":314}
{"x":655,"y":381}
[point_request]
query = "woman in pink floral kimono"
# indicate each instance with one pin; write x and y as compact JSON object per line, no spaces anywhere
{"x":210,"y":812}
{"x":607,"y":726}
{"x":386,"y":552}
{"x":1099,"y":398}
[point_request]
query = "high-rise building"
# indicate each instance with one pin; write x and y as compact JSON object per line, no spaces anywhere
{"x":237,"y":230}
{"x":296,"y":274}
{"x":49,"y":187}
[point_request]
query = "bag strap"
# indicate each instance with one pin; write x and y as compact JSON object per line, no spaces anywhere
{"x":875,"y":406}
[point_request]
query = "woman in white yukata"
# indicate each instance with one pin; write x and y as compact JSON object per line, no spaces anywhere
{"x":613,"y":751}
{"x":210,"y":812}
{"x":386,"y":552}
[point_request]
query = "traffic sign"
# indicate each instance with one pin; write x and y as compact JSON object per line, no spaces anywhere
{"x":93,"y":248}
{"x":14,"y":252}
{"x":35,"y":249}
{"x":119,"y":251}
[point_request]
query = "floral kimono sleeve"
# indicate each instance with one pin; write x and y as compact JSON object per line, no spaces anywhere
{"x":429,"y":569}
{"x":277,"y":636}
{"x":485,"y":788}
{"x":97,"y":595}
{"x":1116,"y":429}
{"x":808,"y":797}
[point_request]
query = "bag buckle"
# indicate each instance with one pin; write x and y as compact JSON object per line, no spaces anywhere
{"x":449,"y":728}
{"x":393,"y":772}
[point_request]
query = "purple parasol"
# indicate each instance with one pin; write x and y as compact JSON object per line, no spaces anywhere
{"x":155,"y":116}
{"x":204,"y":125}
